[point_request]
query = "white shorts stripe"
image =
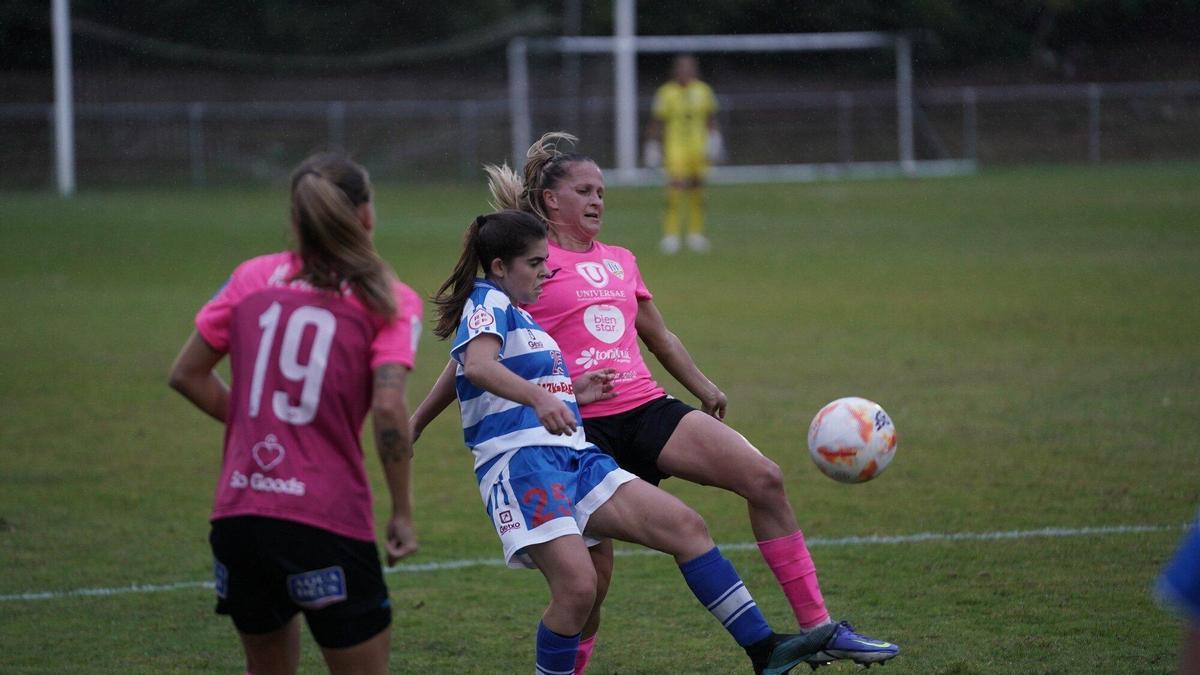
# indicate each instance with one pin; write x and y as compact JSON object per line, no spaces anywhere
{"x":731,"y":604}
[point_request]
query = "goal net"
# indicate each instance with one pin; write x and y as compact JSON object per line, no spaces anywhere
{"x":779,"y":132}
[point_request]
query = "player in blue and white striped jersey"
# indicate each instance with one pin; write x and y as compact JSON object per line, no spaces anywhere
{"x":493,"y":424}
{"x":550,"y":494}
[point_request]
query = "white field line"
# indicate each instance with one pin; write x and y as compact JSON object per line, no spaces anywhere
{"x":407,"y":568}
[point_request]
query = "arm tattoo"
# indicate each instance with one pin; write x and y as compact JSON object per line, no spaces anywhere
{"x":390,"y":444}
{"x":390,"y":376}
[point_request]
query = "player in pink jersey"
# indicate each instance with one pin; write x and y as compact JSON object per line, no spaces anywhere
{"x":317,"y":338}
{"x":597,"y":308}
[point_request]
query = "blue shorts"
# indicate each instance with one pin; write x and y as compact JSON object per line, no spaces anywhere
{"x":1179,"y":584}
{"x":537,"y":494}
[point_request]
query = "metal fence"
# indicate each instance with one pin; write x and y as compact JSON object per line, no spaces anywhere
{"x":202,"y":143}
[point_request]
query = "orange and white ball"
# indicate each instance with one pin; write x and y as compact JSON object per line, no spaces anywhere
{"x":852,"y":440}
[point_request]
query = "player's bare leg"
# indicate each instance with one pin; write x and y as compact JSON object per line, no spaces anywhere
{"x":704,"y":450}
{"x":644,"y":514}
{"x":369,"y":657}
{"x":567,"y":566}
{"x":274,"y":653}
{"x":602,"y":562}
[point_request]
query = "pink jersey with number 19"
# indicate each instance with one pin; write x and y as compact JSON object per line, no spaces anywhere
{"x":302,"y":362}
{"x":589,"y":307}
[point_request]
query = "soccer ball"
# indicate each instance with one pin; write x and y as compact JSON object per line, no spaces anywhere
{"x":852,"y":440}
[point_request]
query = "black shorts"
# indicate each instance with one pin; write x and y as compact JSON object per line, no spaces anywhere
{"x":268,"y":569}
{"x":635,"y":438}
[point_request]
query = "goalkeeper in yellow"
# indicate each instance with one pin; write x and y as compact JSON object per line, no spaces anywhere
{"x":684,"y":138}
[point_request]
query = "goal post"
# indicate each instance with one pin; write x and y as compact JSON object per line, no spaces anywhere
{"x":624,"y":48}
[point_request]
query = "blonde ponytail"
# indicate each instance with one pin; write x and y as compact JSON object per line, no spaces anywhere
{"x":335,"y":246}
{"x":507,"y":188}
{"x":545,"y":165}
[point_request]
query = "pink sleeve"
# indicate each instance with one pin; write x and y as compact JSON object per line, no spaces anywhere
{"x":396,"y":341}
{"x":212,"y":321}
{"x":639,"y":291}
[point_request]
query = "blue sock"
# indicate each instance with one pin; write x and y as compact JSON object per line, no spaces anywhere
{"x":718,"y":587}
{"x":555,"y":653}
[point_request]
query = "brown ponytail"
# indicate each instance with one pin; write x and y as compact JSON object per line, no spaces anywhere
{"x":504,"y":235}
{"x":335,"y":246}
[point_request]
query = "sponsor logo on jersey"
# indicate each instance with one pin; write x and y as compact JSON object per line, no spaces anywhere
{"x":558,"y":387}
{"x":268,"y":453}
{"x":593,"y":273}
{"x":260,"y":483}
{"x":607,"y":293}
{"x":615,"y":267}
{"x":481,"y":318}
{"x":318,"y":588}
{"x":533,"y":342}
{"x":606,"y":323}
{"x":557,"y":367}
{"x":591,"y":356}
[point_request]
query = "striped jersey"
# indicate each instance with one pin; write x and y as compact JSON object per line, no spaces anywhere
{"x":493,"y":425}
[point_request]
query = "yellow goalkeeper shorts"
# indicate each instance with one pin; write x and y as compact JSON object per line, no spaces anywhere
{"x":685,"y":163}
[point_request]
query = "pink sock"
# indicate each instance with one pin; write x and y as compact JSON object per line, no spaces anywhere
{"x":584,"y":654}
{"x":789,"y":559}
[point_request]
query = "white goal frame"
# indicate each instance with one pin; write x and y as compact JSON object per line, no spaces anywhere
{"x":624,"y":47}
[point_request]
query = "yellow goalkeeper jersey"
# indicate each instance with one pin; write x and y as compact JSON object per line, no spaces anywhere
{"x":684,"y":111}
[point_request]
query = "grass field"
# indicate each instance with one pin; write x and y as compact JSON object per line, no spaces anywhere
{"x":1034,"y":333}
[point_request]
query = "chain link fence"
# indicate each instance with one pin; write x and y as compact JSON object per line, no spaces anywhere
{"x":202,"y":143}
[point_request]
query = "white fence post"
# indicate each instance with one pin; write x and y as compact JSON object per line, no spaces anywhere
{"x":904,"y":105}
{"x":518,"y":100}
{"x":625,"y":72}
{"x":64,"y":98}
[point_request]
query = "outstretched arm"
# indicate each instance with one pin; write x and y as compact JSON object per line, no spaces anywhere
{"x":671,"y":353}
{"x":192,"y":375}
{"x":394,"y":444}
{"x":440,"y":396}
